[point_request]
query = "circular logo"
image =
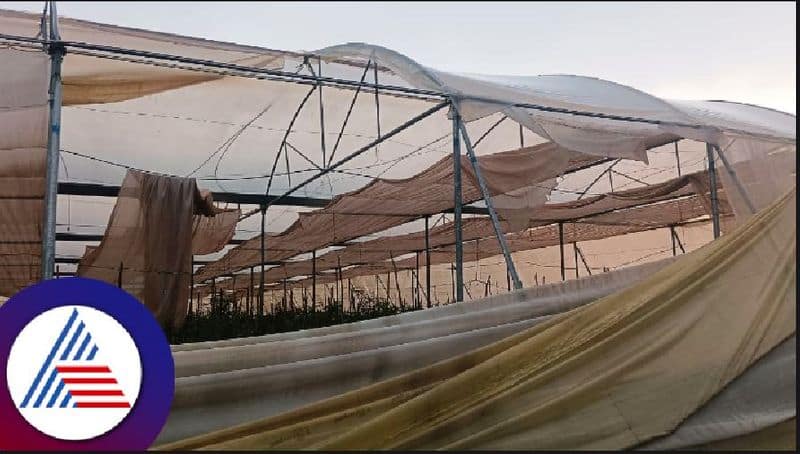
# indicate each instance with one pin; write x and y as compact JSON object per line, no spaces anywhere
{"x":86,"y":368}
{"x":74,"y":372}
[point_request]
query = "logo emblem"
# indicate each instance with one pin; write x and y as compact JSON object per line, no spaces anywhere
{"x":76,"y":391}
{"x":86,"y":367}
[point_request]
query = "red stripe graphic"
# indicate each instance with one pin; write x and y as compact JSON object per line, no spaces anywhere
{"x":88,"y":381}
{"x":82,"y":369}
{"x":94,"y":374}
{"x":103,"y":405}
{"x":96,"y":392}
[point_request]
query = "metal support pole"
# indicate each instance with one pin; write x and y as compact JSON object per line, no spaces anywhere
{"x":677,"y":239}
{"x":233,"y":292}
{"x":191,"y":286}
{"x":377,"y":105}
{"x":575,"y":250}
{"x":56,"y":52}
{"x":314,"y":281}
{"x":335,"y":289}
{"x":250,"y":293}
{"x":339,"y":280}
{"x":417,"y":301}
{"x":263,"y":260}
{"x":397,"y":285}
{"x":119,"y":276}
{"x":321,"y":115}
{"x":736,"y":181}
{"x":453,"y":280}
{"x":677,"y":158}
{"x":459,"y":265}
{"x":712,"y":181}
{"x":561,"y":249}
{"x":512,"y":270}
{"x":583,"y":259}
{"x":672,"y":236}
{"x":427,"y":262}
{"x":341,"y":288}
{"x":249,"y":301}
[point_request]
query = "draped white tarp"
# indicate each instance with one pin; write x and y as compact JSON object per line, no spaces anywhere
{"x":225,"y":383}
{"x":763,"y":396}
{"x":600,"y":134}
{"x":228,"y":382}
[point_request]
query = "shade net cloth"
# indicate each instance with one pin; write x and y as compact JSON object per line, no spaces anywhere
{"x":761,"y":170}
{"x":89,"y":80}
{"x":608,"y":375}
{"x":594,"y":228}
{"x":387,"y":203}
{"x":682,"y":200}
{"x":147,"y":248}
{"x":211,"y":233}
{"x":24,"y":76}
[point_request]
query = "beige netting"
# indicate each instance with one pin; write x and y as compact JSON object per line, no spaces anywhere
{"x":670,"y":213}
{"x":593,"y":220}
{"x":24,"y":79}
{"x":147,"y":247}
{"x":89,"y":80}
{"x":211,"y":233}
{"x":387,"y":203}
{"x":764,"y":169}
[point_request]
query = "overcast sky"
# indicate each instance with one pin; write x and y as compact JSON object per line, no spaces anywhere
{"x":736,"y":51}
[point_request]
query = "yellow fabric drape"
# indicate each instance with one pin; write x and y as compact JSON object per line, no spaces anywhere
{"x":609,"y":375}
